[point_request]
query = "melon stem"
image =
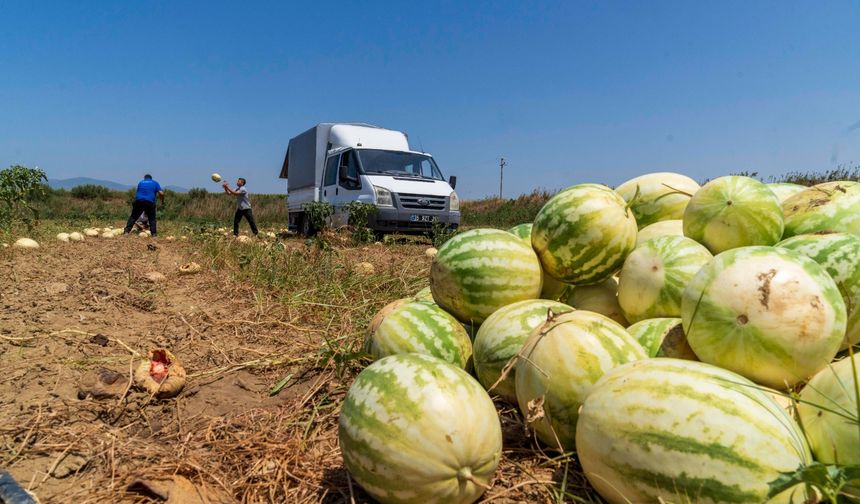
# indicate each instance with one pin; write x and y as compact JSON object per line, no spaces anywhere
{"x":465,"y":474}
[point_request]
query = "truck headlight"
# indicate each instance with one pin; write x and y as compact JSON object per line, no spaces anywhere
{"x":383,"y":196}
{"x":453,"y":202}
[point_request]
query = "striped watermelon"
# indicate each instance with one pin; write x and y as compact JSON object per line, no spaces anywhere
{"x":522,"y":231}
{"x":671,"y":430}
{"x":477,"y":272}
{"x":828,"y":412}
{"x":501,"y":337}
{"x":831,"y":206}
{"x":655,"y":274}
{"x":415,"y":429}
{"x":381,"y":314}
{"x":423,"y":295}
{"x":421,"y":327}
{"x":662,"y":337}
{"x":784,"y":190}
{"x":583,"y":234}
{"x":662,"y":228}
{"x":552,"y":288}
{"x":839,"y":254}
{"x":599,"y":298}
{"x":734,"y":211}
{"x":563,"y":358}
{"x":770,"y":314}
{"x":658,"y":196}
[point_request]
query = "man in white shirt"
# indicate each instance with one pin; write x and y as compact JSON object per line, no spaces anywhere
{"x":243,"y":206}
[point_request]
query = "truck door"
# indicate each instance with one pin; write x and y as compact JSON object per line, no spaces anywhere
{"x":342,"y":185}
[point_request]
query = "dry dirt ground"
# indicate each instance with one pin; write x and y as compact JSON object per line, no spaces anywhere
{"x":71,"y":308}
{"x":68,"y":310}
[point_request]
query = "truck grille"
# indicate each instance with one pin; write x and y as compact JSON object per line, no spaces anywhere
{"x":421,"y":202}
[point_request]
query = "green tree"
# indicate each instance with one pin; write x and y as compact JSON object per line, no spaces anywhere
{"x":20,"y":189}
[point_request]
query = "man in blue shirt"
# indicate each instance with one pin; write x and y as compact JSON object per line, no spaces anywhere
{"x":144,"y":201}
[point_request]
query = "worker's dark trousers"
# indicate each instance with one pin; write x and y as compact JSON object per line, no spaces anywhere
{"x":138,"y":208}
{"x":248,"y":214}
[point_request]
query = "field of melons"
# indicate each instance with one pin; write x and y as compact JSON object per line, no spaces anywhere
{"x":664,"y":341}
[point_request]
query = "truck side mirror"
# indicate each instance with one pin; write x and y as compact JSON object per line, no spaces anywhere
{"x":452,"y":181}
{"x":342,"y":172}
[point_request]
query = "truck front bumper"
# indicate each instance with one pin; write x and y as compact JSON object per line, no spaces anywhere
{"x":395,"y":220}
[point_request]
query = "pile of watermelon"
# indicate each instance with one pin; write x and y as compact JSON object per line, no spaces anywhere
{"x":687,"y":343}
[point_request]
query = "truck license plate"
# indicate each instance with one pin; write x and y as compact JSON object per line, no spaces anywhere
{"x":422,"y":218}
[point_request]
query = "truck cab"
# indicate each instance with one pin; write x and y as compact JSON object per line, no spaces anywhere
{"x":339,"y":163}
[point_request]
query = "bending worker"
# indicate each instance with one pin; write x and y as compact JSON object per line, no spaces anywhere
{"x":144,"y":201}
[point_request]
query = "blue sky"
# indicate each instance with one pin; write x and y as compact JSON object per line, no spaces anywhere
{"x":568,"y":92}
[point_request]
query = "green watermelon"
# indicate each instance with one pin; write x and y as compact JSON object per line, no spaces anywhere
{"x":421,"y":327}
{"x":770,"y":314}
{"x":381,"y":314}
{"x":501,"y":337}
{"x":655,"y":274}
{"x":423,"y":295}
{"x":839,"y":254}
{"x":671,"y":430}
{"x":734,"y":211}
{"x":599,"y":298}
{"x":583,"y":234}
{"x":413,"y":429}
{"x":662,"y":337}
{"x":561,"y":361}
{"x":831,"y":206}
{"x":658,"y":196}
{"x":828,"y":413}
{"x":552,"y":288}
{"x":522,"y":231}
{"x":784,"y":190}
{"x":477,"y":272}
{"x":662,"y":228}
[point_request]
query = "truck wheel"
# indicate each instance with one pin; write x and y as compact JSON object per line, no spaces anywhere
{"x":305,"y":226}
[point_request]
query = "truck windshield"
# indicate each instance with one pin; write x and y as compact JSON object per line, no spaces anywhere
{"x":401,"y":164}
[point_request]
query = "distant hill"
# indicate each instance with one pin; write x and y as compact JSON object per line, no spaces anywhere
{"x":114,"y":186}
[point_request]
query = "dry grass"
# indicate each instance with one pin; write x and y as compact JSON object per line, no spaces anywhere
{"x":298,"y":311}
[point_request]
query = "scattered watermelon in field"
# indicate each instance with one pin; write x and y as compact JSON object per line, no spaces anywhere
{"x":655,"y":274}
{"x":415,"y":429}
{"x":502,"y":336}
{"x":670,"y":430}
{"x":583,"y":233}
{"x":662,"y":337}
{"x":562,"y":359}
{"x":831,"y":206}
{"x":770,"y":314}
{"x":733,"y":211}
{"x":477,"y":272}
{"x":423,"y":295}
{"x":421,"y":327}
{"x":658,"y":197}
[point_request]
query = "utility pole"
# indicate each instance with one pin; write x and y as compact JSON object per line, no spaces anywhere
{"x":502,"y":164}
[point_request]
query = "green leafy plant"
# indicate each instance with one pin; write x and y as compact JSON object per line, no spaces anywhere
{"x":318,"y":212}
{"x":830,"y":480}
{"x":196,"y":193}
{"x":440,"y":233}
{"x":90,"y":192}
{"x":359,"y":218}
{"x":20,"y":189}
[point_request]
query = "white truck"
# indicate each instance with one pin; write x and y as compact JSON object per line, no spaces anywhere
{"x":338,"y":163}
